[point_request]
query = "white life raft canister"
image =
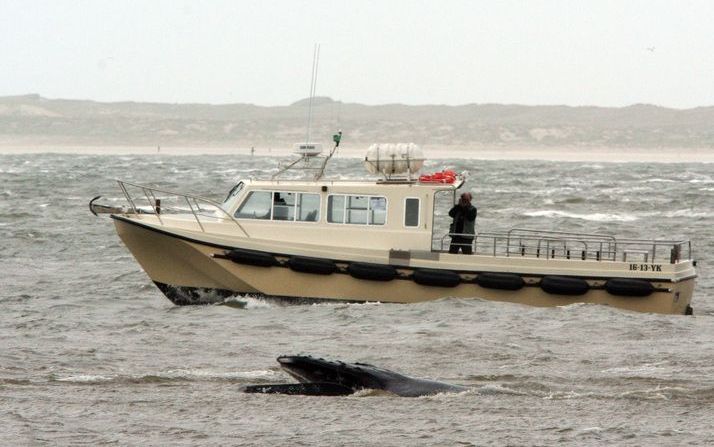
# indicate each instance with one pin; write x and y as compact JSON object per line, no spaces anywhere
{"x":390,"y":159}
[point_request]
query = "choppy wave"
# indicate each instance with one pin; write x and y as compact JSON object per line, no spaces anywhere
{"x":179,"y":375}
{"x":659,"y":180}
{"x":498,"y":389}
{"x":92,"y":336}
{"x":594,"y":217}
{"x":688,"y":213}
{"x":637,"y":371}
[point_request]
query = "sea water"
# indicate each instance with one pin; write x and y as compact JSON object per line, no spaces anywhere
{"x":93,"y":354}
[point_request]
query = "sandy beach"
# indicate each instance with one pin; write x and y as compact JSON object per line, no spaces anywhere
{"x":574,"y":154}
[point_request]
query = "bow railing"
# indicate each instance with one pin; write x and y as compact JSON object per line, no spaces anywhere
{"x":161,"y":202}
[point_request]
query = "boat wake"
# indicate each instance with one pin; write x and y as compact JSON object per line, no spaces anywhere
{"x":249,"y":302}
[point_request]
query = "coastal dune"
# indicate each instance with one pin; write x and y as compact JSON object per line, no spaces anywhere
{"x":34,"y":124}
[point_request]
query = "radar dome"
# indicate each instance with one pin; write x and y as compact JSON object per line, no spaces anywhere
{"x":308,"y":149}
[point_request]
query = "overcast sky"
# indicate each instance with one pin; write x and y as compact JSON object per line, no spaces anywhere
{"x":608,"y":53}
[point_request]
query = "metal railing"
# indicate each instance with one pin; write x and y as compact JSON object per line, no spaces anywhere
{"x":534,"y":243}
{"x":198,"y":207}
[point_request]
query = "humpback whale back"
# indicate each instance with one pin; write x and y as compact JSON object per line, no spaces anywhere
{"x":320,"y":377}
{"x":423,"y":387}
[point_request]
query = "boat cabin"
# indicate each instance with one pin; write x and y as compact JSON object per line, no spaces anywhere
{"x":381,"y":214}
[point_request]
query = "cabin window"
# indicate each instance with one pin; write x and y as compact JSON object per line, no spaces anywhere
{"x":284,"y":206}
{"x":358,"y":210}
{"x":377,"y":210}
{"x":411,"y":212}
{"x":256,"y":206}
{"x":336,"y":209}
{"x":308,"y":207}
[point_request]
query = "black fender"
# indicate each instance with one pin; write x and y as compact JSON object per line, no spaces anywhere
{"x":439,"y":278}
{"x":312,"y":265}
{"x":251,"y":257}
{"x":564,"y":285}
{"x":373,"y":272}
{"x":629,"y":287}
{"x":503,"y":281}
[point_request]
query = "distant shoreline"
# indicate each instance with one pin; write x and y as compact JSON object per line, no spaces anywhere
{"x":576,"y":154}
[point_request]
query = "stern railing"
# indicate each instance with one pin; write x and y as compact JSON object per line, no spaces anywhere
{"x":531,"y":243}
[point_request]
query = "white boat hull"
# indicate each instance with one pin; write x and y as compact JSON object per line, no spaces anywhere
{"x":191,"y":267}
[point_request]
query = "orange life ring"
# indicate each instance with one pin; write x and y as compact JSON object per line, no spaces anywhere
{"x":446,"y":176}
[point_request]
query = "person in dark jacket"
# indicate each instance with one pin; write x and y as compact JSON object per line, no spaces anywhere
{"x":464,"y":225}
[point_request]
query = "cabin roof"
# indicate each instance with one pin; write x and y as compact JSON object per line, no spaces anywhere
{"x":372,"y":183}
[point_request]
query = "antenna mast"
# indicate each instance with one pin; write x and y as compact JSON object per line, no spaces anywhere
{"x":313,"y":86}
{"x":307,"y":150}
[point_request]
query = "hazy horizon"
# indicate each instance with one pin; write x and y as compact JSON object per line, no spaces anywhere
{"x":605,"y":54}
{"x":337,"y":100}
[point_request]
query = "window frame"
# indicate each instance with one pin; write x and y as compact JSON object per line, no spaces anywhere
{"x":287,"y":207}
{"x":369,"y":208}
{"x":319,"y":207}
{"x":272,"y":206}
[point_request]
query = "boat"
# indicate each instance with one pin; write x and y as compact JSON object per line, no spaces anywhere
{"x":302,"y":236}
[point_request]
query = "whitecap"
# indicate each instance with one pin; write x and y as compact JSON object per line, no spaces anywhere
{"x":491,"y":389}
{"x":636,"y":370}
{"x":688,"y":213}
{"x":216,"y":375}
{"x":185,"y":374}
{"x":659,"y":180}
{"x":657,"y":393}
{"x":86,"y":378}
{"x":595,"y":217}
{"x":567,"y":395}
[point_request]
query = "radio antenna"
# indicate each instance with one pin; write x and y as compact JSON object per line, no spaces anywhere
{"x":313,"y":87}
